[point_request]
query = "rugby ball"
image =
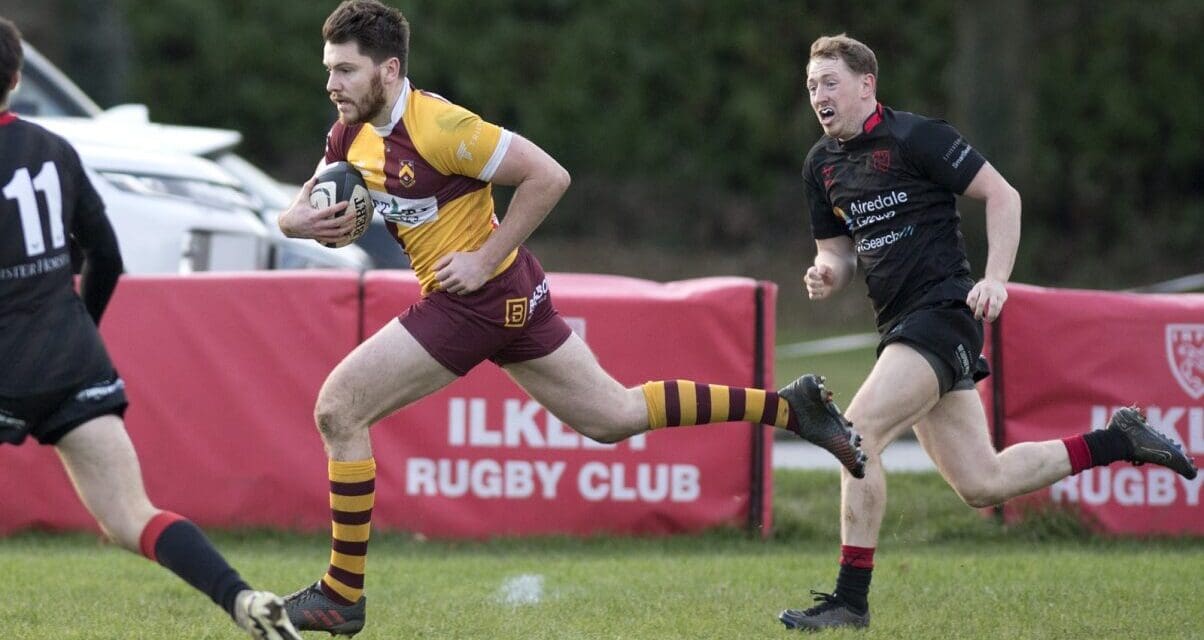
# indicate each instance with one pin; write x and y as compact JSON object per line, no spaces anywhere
{"x":341,"y":182}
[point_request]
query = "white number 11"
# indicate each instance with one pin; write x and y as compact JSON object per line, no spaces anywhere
{"x":21,"y":189}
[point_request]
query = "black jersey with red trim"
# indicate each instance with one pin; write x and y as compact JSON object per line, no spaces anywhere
{"x":48,"y":340}
{"x":892,"y":190}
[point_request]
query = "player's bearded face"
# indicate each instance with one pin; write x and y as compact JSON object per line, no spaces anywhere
{"x":365,"y":108}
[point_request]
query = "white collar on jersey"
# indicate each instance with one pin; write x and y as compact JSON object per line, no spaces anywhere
{"x":399,"y":110}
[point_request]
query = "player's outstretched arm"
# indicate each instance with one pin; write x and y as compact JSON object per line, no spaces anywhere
{"x":835,"y":265}
{"x":1003,"y":238}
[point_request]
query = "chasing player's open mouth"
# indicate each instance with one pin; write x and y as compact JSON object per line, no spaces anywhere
{"x":826,"y":115}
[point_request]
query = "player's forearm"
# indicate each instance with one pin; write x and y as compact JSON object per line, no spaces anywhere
{"x":98,"y":278}
{"x":843,"y":267}
{"x":102,"y":263}
{"x":1003,"y":234}
{"x":533,"y":199}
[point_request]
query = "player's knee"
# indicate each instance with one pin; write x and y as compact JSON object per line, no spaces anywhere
{"x":979,"y":494}
{"x":330,"y":423}
{"x":610,"y":427}
{"x":871,"y":444}
{"x":604,"y":433}
{"x":619,"y":417}
{"x":981,"y":501}
{"x":333,"y":418}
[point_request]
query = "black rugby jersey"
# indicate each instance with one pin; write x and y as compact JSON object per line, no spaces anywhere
{"x":48,"y":339}
{"x":891,"y":189}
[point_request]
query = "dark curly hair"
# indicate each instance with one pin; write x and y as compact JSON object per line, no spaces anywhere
{"x":381,"y":32}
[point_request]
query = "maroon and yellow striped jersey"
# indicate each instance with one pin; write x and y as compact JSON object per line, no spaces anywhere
{"x":428,"y":171}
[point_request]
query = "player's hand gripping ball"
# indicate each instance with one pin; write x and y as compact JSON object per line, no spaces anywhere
{"x":341,"y":182}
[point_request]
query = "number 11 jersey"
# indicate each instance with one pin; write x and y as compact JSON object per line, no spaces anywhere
{"x":47,"y":338}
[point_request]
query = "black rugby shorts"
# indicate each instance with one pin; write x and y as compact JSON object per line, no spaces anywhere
{"x":949,"y":338}
{"x":51,"y":415}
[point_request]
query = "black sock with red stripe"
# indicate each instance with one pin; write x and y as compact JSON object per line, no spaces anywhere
{"x":1108,"y":446}
{"x":853,"y":581}
{"x":1096,"y":449}
{"x":182,"y":548}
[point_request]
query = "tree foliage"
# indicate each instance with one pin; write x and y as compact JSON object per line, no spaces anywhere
{"x":686,"y":123}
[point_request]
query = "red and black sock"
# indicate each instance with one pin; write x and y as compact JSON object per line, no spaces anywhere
{"x":179,"y":545}
{"x":1096,"y":449}
{"x":853,"y":581}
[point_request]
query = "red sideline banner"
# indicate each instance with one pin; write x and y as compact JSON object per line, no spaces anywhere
{"x":222,"y":373}
{"x":1066,"y":359}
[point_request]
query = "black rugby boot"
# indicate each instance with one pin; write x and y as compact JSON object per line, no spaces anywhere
{"x":831,"y":612}
{"x":820,"y":422}
{"x":1150,"y":445}
{"x":310,"y":610}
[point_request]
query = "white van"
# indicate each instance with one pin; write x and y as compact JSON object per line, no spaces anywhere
{"x":146,"y":158}
{"x":175,"y":213}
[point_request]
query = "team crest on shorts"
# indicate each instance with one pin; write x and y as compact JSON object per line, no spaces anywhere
{"x":516,"y":312}
{"x":1185,"y":352}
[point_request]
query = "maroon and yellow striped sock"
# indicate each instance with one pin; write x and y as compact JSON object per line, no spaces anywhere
{"x":679,"y":403}
{"x":352,"y":493}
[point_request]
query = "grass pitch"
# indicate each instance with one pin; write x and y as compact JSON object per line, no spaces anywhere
{"x":943,"y":571}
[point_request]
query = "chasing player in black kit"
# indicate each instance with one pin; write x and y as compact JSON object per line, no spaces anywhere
{"x":881,"y":186}
{"x":56,"y":381}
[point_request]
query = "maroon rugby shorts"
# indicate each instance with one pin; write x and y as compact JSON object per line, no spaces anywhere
{"x":510,"y":319}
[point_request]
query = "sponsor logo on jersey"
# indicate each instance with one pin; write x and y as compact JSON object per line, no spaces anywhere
{"x":406,"y":175}
{"x":957,"y":152}
{"x":952,"y":149}
{"x":463,"y":153}
{"x":885,"y":240}
{"x":873,"y":218}
{"x":842,"y":215}
{"x":1185,"y":353}
{"x":36,"y":267}
{"x":883,"y":201}
{"x":406,"y":212}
